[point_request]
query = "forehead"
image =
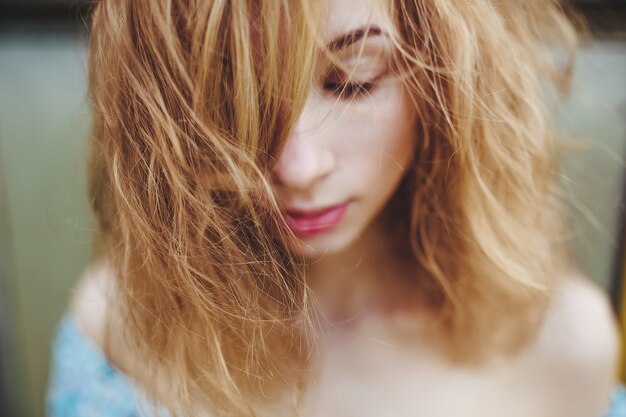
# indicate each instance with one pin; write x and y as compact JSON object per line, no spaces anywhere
{"x":342,"y":16}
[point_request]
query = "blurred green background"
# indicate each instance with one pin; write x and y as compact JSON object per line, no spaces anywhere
{"x":44,"y":123}
{"x":45,"y":225}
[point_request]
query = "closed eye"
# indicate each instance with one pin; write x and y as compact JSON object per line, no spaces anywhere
{"x":347,"y":90}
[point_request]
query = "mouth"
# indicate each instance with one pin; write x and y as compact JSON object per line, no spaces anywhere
{"x":314,"y":222}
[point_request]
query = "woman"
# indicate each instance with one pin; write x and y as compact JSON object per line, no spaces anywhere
{"x":330,"y":208}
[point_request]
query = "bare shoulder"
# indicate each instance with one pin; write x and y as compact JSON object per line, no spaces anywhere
{"x":92,"y":299}
{"x":95,"y":307}
{"x":577,"y":349}
{"x":581,"y":322}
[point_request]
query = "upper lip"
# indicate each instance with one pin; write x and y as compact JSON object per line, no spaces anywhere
{"x":296,"y":211}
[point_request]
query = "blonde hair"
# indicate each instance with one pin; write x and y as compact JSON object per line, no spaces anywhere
{"x":193,"y":99}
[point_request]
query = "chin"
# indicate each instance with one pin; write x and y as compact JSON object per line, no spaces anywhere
{"x":326,"y":244}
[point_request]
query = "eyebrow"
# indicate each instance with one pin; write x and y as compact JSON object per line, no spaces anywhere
{"x":353,"y":37}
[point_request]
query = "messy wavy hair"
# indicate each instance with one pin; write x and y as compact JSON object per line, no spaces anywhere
{"x":192,"y":102}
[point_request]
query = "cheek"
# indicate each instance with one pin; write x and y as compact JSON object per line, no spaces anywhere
{"x":385,"y":142}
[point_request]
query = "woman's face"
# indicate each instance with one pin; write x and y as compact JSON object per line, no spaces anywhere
{"x":350,"y":148}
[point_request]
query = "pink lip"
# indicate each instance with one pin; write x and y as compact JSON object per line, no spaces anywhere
{"x":314,"y":222}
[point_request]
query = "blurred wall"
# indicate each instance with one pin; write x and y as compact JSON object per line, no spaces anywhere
{"x":45,"y":226}
{"x":43,"y":126}
{"x":594,"y":120}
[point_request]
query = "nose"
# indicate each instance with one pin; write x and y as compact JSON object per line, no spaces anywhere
{"x":306,"y":158}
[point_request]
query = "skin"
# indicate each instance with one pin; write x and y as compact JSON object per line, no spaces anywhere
{"x":359,"y":151}
{"x":350,"y":148}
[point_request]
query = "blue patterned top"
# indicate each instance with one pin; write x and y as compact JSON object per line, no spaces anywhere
{"x":84,"y":384}
{"x":82,"y":381}
{"x":618,"y":404}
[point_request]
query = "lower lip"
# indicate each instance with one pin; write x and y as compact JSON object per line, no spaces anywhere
{"x":317,"y":223}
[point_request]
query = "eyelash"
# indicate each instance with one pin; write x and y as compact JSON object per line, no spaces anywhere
{"x":348,"y":90}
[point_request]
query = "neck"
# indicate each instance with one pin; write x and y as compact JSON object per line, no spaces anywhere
{"x":365,"y":279}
